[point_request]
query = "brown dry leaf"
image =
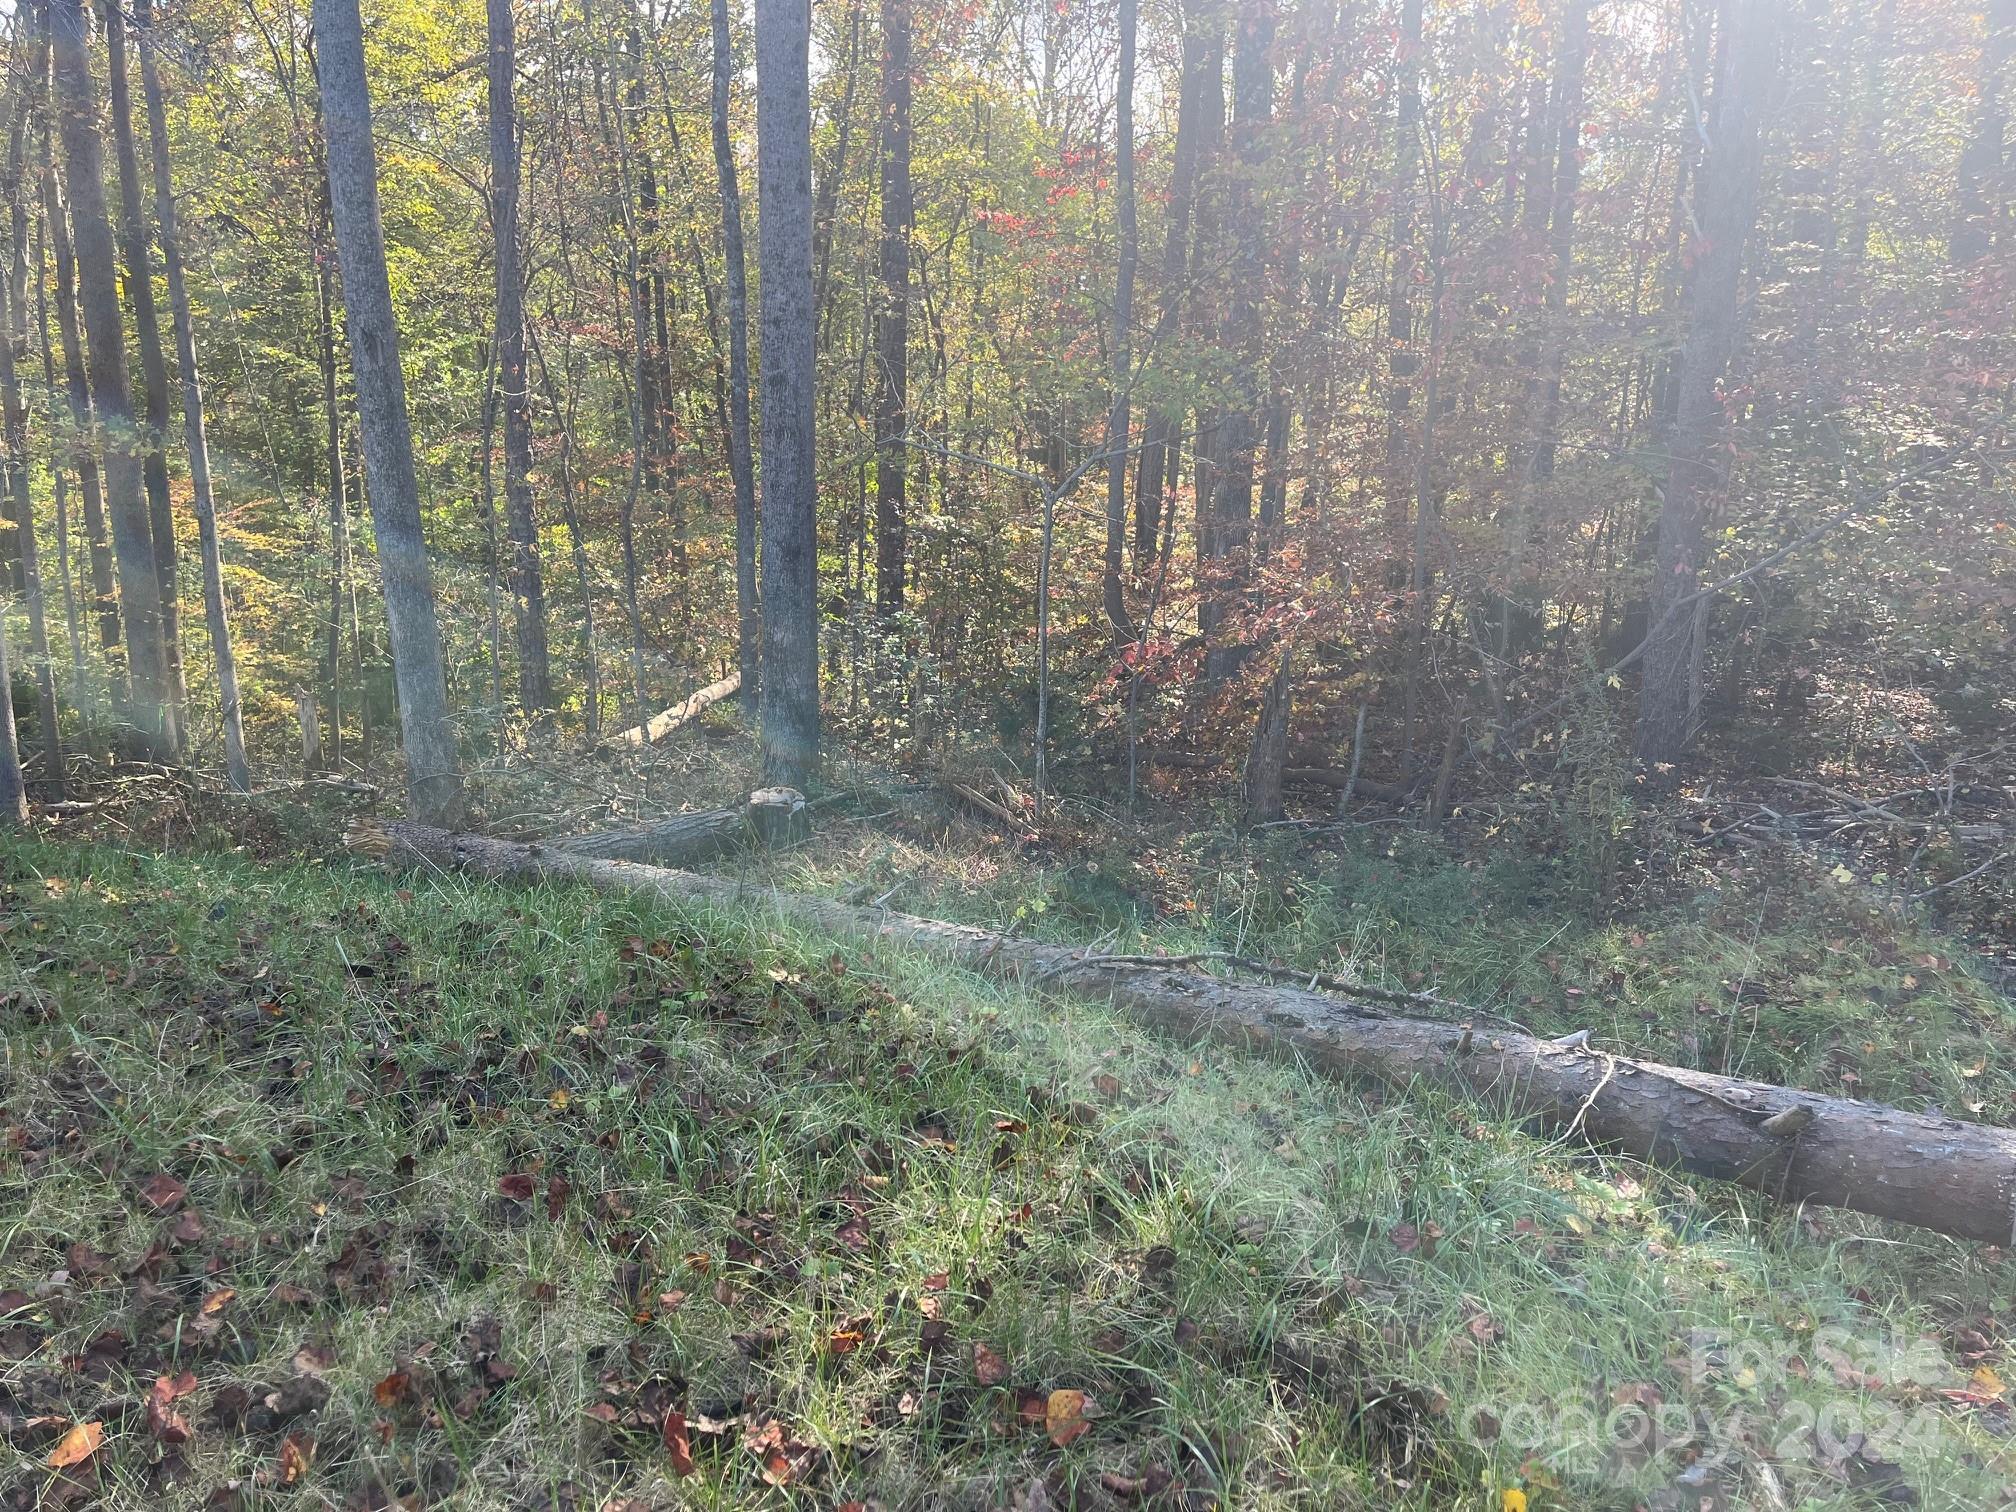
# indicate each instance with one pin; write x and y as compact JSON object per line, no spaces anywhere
{"x":394,"y":1389}
{"x":76,"y":1446}
{"x":218,"y":1300}
{"x":297,"y":1454}
{"x":988,"y":1367}
{"x":1066,"y":1416}
{"x":558,"y":1190}
{"x":518,"y":1186}
{"x":163,"y":1421}
{"x":162,"y":1192}
{"x":678,"y":1442}
{"x":1107,"y":1085}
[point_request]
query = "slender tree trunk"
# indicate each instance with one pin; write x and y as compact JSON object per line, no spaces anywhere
{"x":1979,"y":171}
{"x":1120,"y":419}
{"x":153,"y":364}
{"x":59,"y":476}
{"x":1159,"y":447}
{"x":528,"y":588}
{"x":1242,"y":333}
{"x":433,"y":770}
{"x":790,"y":515}
{"x":13,"y":353}
{"x":13,"y":792}
{"x":741,"y":460}
{"x":151,"y":706}
{"x":835,"y":174}
{"x":81,"y":442}
{"x":1267,"y":762}
{"x":486,"y":487}
{"x":1574,"y":53}
{"x":339,"y":496}
{"x":892,"y":312}
{"x":1401,"y":360}
{"x":238,"y":771}
{"x":1724,"y":213}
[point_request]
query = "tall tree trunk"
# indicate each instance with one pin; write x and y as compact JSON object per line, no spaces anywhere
{"x":1401,"y":360}
{"x":433,"y":770}
{"x":1158,"y":451}
{"x":1267,"y":761}
{"x":339,"y":493}
{"x":1572,"y":58}
{"x":238,"y":771}
{"x":1981,"y":192}
{"x":81,"y":443}
{"x":790,"y":515}
{"x":1242,"y":334}
{"x":892,"y":311}
{"x":1725,"y":208}
{"x":59,"y":475}
{"x":150,"y":705}
{"x":153,"y":364}
{"x":741,"y":460}
{"x":13,"y":353}
{"x":528,"y":588}
{"x":1120,"y":418}
{"x":834,"y":175}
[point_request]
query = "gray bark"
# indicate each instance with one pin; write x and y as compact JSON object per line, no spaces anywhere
{"x":527,"y":583}
{"x":790,"y":515}
{"x":1725,"y":208}
{"x":81,"y":446}
{"x":688,"y":709}
{"x":1120,"y":418}
{"x":892,"y":313}
{"x":150,"y":707}
{"x":433,"y":771}
{"x":13,"y":353}
{"x":1923,"y":1169}
{"x":741,"y":459}
{"x":238,"y":771}
{"x":153,"y":364}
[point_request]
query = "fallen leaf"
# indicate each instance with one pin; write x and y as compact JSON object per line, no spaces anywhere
{"x":163,"y":1421}
{"x":518,"y":1186}
{"x":988,"y":1367}
{"x":163,"y":1193}
{"x":395,"y":1388}
{"x":557,"y":1192}
{"x":297,"y":1453}
{"x":76,"y":1446}
{"x":678,"y":1442}
{"x":1107,"y":1085}
{"x":218,"y":1300}
{"x":1065,"y":1416}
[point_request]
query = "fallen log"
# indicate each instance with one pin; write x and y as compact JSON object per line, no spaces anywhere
{"x":769,"y":816}
{"x":1933,"y":1172}
{"x":688,"y":709}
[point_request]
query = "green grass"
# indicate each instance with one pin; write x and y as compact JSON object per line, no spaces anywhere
{"x":1279,"y":1291}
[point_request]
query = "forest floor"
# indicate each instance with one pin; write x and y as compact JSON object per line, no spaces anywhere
{"x":324,"y":1186}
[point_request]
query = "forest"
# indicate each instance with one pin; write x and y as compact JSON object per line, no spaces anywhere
{"x":1007,"y":753}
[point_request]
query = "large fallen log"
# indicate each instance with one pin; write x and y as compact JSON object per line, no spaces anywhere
{"x":1937,"y":1173}
{"x":769,"y":816}
{"x":688,"y":709}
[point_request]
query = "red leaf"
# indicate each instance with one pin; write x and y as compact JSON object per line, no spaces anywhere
{"x":518,"y":1186}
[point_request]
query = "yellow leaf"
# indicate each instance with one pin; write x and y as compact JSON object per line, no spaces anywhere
{"x":1987,"y":1382}
{"x":1511,"y":1499}
{"x":78,"y":1445}
{"x":558,"y":1099}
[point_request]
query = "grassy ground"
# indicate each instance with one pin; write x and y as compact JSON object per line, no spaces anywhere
{"x":452,"y":1197}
